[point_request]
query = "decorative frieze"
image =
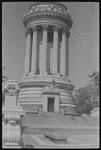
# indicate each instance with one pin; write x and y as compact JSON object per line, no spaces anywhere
{"x":43,"y":84}
{"x":47,"y":7}
{"x":48,"y":19}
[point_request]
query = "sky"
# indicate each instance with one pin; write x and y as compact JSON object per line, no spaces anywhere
{"x":83,"y":41}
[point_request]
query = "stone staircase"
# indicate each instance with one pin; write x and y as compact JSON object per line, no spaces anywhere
{"x":53,"y":122}
{"x":57,"y":119}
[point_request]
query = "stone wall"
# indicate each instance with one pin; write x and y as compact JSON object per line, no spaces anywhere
{"x":32,"y":108}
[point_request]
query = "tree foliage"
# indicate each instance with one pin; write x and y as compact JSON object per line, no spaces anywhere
{"x":84,"y":97}
{"x":82,"y":100}
{"x":95,"y":78}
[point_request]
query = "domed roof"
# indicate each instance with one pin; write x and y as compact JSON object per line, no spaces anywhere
{"x":47,"y":3}
{"x":49,"y":9}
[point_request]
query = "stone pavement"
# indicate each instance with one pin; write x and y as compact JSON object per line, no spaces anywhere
{"x":58,"y":119}
{"x":73,"y":141}
{"x":64,"y":126}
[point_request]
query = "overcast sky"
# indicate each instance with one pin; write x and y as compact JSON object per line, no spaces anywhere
{"x":83,"y":42}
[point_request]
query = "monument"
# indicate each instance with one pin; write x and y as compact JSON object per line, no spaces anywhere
{"x":11,"y":117}
{"x":45,"y":85}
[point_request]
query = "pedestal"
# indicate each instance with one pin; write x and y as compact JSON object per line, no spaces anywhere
{"x":11,"y":118}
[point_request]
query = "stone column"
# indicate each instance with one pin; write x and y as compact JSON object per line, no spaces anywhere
{"x":28,"y":50}
{"x":44,"y":54}
{"x":56,"y":104}
{"x":34,"y":51}
{"x":63,"y":54}
{"x":67,"y":54}
{"x":44,"y":103}
{"x":55,"y":50}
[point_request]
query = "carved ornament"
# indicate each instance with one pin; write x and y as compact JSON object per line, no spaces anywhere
{"x":56,"y":28}
{"x":11,"y":88}
{"x":34,"y":28}
{"x":49,"y":7}
{"x":45,"y":27}
{"x":43,"y":84}
{"x":51,"y":89}
{"x":28,"y":31}
{"x":65,"y":30}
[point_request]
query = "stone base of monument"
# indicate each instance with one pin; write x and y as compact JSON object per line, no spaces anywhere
{"x":56,"y":137}
{"x":11,"y":145}
{"x":56,"y":74}
{"x":15,"y":110}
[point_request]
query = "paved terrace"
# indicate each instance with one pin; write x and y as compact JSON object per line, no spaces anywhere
{"x":84,"y":140}
{"x":80,"y":132}
{"x":52,"y":119}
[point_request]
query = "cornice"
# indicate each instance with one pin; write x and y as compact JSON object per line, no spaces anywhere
{"x":43,"y":84}
{"x":50,"y":22}
{"x":62,"y":17}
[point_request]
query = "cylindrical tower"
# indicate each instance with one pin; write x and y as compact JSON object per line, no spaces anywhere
{"x":46,"y":59}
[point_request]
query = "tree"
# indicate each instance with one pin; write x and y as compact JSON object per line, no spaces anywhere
{"x":95,"y":83}
{"x":82,"y":100}
{"x":86,"y":98}
{"x":95,"y":78}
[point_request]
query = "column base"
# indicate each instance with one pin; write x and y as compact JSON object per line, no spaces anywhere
{"x":11,"y":145}
{"x":25,"y":75}
{"x":56,"y":74}
{"x":63,"y":75}
{"x":43,"y":73}
{"x":31,"y":74}
{"x":66,"y":76}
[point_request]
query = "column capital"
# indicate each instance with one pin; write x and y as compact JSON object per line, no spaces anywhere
{"x":45,"y":27}
{"x":65,"y":30}
{"x":35,"y":28}
{"x":56,"y":28}
{"x":68,"y":34}
{"x":28,"y":31}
